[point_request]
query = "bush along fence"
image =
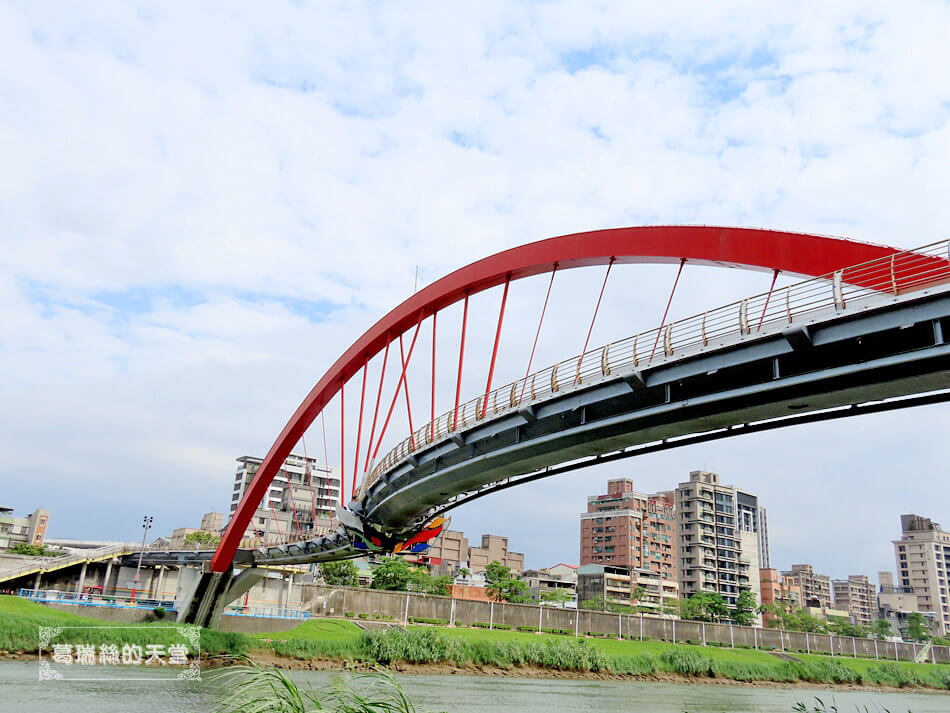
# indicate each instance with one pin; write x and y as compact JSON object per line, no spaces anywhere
{"x":411,"y":607}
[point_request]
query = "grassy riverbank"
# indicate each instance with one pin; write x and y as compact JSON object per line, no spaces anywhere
{"x":337,"y":641}
{"x":20,"y":620}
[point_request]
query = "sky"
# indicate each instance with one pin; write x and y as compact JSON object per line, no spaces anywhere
{"x":203,"y":205}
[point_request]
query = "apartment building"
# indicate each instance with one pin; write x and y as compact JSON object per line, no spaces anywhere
{"x":494,"y":548}
{"x":624,"y":528}
{"x":816,"y":588}
{"x":717,"y":532}
{"x":212,"y":522}
{"x":301,"y":499}
{"x":856,"y":596}
{"x":451,"y":550}
{"x":29,"y":530}
{"x":299,"y":474}
{"x":549,"y":580}
{"x":923,"y":558}
{"x":627,"y":586}
{"x":776,"y":589}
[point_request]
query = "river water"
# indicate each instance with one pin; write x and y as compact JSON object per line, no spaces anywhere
{"x":22,"y":692}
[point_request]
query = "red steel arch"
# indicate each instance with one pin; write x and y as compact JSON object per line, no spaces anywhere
{"x":746,"y":248}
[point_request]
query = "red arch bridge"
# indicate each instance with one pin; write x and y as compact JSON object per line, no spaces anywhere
{"x":861,"y":332}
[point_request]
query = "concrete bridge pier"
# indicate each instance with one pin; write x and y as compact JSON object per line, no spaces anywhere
{"x":207,"y":594}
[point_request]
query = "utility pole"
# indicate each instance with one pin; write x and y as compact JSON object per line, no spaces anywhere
{"x":146,"y":524}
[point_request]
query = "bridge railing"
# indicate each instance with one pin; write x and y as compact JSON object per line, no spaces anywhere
{"x":857,"y":287}
{"x":46,"y":564}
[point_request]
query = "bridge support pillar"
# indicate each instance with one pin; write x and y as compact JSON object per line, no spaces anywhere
{"x":108,"y":575}
{"x":82,"y":578}
{"x":36,"y":582}
{"x":212,"y":592}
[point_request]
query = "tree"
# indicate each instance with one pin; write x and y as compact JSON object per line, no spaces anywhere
{"x":439,"y":585}
{"x":393,"y":574}
{"x":342,"y":573}
{"x":201,"y":537}
{"x":744,"y":613}
{"x":843,"y":627}
{"x":556,"y":596}
{"x":704,"y":606}
{"x":917,"y":627}
{"x":503,"y":586}
{"x":21,"y":548}
{"x":881,"y":628}
{"x":601,"y":604}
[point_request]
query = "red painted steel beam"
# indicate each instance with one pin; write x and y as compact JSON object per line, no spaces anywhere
{"x":432,"y":397}
{"x":494,"y":349}
{"x":379,"y":395}
{"x":458,"y":383}
{"x":747,"y":248}
{"x":359,"y":429}
{"x":405,"y":388}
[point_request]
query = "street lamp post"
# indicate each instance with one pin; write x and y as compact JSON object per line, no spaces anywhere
{"x":146,"y":524}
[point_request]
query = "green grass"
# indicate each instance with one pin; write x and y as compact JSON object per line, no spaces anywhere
{"x":342,"y":639}
{"x":611,"y":647}
{"x":20,"y":620}
{"x":323,"y":629}
{"x":512,"y":648}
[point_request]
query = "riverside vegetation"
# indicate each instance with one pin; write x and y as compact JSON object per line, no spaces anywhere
{"x":341,"y":640}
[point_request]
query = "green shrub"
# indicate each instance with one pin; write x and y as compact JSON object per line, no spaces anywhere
{"x":688,"y":663}
{"x":529,"y":629}
{"x":349,"y":614}
{"x":427,"y":620}
{"x":363,"y":615}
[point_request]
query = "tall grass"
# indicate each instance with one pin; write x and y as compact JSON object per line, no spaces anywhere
{"x":253,"y":689}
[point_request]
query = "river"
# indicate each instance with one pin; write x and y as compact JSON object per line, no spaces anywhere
{"x":22,"y":692}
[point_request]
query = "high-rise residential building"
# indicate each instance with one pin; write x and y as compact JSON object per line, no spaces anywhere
{"x":923,"y":558}
{"x":816,"y":588}
{"x":895,"y":603}
{"x":301,"y":499}
{"x":624,"y":528}
{"x":297,"y":474}
{"x":29,"y":530}
{"x":717,"y":531}
{"x":856,"y":596}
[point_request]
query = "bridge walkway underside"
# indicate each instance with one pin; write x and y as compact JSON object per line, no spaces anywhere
{"x":891,"y":352}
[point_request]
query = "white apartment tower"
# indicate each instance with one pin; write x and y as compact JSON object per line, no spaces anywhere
{"x":303,"y":496}
{"x":923,"y":559}
{"x":717,"y":530}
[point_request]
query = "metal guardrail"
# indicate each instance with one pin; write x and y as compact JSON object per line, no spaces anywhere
{"x":47,"y":564}
{"x":861,"y":286}
{"x":268,"y":613}
{"x":55,"y":596}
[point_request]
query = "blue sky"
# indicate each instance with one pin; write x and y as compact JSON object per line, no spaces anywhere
{"x":204,"y":205}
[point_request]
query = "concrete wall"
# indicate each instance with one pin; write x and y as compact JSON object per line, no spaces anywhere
{"x":125,"y":616}
{"x":255,"y":625}
{"x":403,"y":606}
